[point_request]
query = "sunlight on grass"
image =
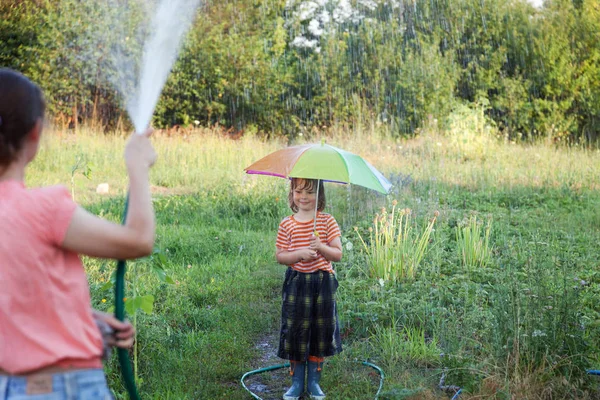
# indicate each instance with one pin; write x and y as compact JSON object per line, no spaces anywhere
{"x":205,"y":159}
{"x":526,"y":311}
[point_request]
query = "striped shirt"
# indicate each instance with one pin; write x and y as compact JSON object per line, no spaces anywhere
{"x":294,"y":235}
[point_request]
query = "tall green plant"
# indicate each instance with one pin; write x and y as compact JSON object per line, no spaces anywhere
{"x":396,"y":247}
{"x":473,"y":240}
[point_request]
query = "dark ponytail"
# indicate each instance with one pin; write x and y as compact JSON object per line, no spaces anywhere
{"x":21,"y":106}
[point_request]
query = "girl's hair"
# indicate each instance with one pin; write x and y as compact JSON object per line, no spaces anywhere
{"x":307,"y":184}
{"x":21,"y":106}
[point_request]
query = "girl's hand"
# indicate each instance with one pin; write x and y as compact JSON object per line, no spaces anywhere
{"x":307,"y":254}
{"x":315,"y":243}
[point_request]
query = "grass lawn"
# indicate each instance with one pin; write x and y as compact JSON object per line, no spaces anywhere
{"x":503,"y":302}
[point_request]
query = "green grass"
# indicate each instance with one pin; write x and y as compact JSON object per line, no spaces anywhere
{"x":523,"y":324}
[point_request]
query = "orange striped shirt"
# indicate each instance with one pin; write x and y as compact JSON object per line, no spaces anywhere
{"x":294,"y":235}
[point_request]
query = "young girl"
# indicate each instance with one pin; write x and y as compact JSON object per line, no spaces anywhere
{"x":309,"y":321}
{"x":50,"y":344}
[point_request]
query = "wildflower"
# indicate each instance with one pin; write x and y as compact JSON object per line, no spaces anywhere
{"x":189,"y":266}
{"x":370,"y":229}
{"x":394,"y":202}
{"x":104,"y":300}
{"x":436,"y":213}
{"x":356,"y":229}
{"x":537,"y":333}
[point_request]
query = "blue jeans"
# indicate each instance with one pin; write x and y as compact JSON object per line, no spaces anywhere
{"x":75,"y":385}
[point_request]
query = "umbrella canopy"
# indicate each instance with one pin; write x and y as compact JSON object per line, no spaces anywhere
{"x":321,"y":161}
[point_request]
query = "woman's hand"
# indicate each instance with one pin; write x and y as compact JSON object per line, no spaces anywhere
{"x":123,"y":332}
{"x":139,"y":153}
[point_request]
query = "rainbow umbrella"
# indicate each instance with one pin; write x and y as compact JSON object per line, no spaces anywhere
{"x":321,"y":161}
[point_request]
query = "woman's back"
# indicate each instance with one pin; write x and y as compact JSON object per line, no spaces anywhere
{"x":44,"y":287}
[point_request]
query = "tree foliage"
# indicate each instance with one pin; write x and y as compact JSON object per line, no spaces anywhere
{"x":281,"y":66}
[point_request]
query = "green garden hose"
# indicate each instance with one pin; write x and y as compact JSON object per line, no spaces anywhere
{"x":274,"y":367}
{"x":123,"y":354}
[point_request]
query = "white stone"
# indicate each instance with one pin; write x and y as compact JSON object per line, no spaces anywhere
{"x":102,"y":188}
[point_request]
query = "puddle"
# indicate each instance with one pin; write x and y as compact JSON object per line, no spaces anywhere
{"x":269,"y":385}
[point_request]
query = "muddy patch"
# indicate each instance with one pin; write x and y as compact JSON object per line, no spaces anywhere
{"x":269,"y":385}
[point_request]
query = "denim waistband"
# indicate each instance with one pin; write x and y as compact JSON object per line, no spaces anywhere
{"x":74,"y":385}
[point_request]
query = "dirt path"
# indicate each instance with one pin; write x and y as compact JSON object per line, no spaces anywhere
{"x":269,"y":385}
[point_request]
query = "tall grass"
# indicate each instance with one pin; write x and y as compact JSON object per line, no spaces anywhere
{"x":396,"y":247}
{"x":407,"y":344}
{"x":473,"y":241}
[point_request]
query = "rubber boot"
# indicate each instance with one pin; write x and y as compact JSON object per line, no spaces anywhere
{"x":315,"y":365}
{"x":297,"y":370}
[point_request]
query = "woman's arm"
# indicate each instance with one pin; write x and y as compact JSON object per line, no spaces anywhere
{"x":93,"y":236}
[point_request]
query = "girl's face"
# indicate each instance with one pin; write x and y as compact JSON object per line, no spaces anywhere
{"x":305,"y":197}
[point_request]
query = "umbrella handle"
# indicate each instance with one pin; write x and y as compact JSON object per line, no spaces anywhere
{"x":316,"y":208}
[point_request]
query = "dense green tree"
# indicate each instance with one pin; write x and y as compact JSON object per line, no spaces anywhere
{"x":282,"y":66}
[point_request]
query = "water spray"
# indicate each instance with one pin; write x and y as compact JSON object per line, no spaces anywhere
{"x":172,"y":18}
{"x":171,"y":21}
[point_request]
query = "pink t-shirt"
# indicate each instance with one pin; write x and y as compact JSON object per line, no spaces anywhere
{"x":45,"y":312}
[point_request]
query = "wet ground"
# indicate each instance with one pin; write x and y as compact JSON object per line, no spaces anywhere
{"x":269,"y":385}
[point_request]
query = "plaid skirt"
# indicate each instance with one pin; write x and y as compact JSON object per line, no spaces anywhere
{"x":309,"y":320}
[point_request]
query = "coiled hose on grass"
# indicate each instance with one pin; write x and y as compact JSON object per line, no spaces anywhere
{"x":381,"y":375}
{"x":274,"y":367}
